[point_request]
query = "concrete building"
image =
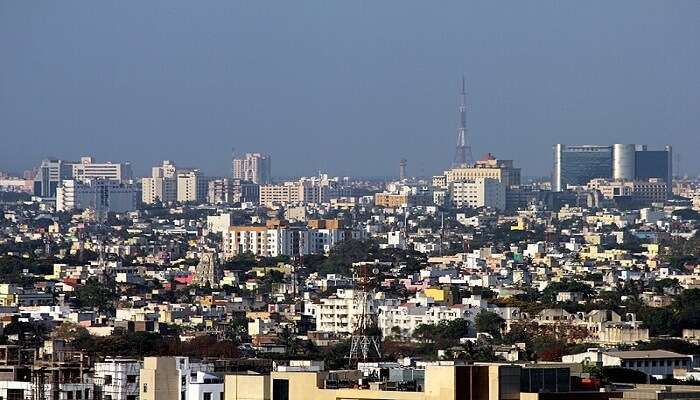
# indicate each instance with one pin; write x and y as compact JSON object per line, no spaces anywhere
{"x":192,"y":186}
{"x":161,"y":185}
{"x":97,"y":194}
{"x":407,"y":317}
{"x":265,"y":241}
{"x":254,"y":167}
{"x":391,"y":200}
{"x":177,"y":378}
{"x":219,"y":223}
{"x":638,"y":193}
{"x":49,"y":176}
{"x":657,"y":363}
{"x":304,"y":191}
{"x":205,"y":386}
{"x":231,"y":191}
{"x":479,"y":192}
{"x":501,"y":170}
{"x":340,"y":312}
{"x":117,"y":379}
{"x":88,"y":169}
{"x":469,"y":382}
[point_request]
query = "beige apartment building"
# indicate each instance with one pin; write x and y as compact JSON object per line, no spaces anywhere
{"x":159,"y":379}
{"x":489,"y":167}
{"x":161,"y":185}
{"x":488,"y":382}
{"x":192,"y":186}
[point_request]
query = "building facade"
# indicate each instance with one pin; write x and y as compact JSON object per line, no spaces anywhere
{"x":161,"y":186}
{"x":577,"y":164}
{"x":480,"y":192}
{"x":254,"y":167}
{"x":117,"y":379}
{"x":97,"y":194}
{"x":50,"y":175}
{"x":87,"y":168}
{"x":192,"y":186}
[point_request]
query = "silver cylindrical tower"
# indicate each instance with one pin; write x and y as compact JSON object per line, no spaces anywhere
{"x":623,"y":161}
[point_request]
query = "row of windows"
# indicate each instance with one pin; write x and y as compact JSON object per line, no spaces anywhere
{"x":654,"y":363}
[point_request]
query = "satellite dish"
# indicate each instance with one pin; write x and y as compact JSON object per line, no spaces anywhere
{"x":375,"y":271}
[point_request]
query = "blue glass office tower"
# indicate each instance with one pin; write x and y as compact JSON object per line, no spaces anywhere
{"x":576,"y":165}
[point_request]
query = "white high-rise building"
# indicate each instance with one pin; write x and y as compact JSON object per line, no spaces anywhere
{"x":480,"y":192}
{"x":87,"y":168}
{"x":254,"y":167}
{"x":96,"y":194}
{"x":162,"y":185}
{"x":192,"y":186}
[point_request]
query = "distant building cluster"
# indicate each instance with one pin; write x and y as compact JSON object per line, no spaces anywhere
{"x":475,"y":283}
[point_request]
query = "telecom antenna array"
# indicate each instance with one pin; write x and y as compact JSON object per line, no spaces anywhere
{"x":365,"y":343}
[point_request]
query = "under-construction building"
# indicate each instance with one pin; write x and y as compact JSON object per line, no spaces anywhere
{"x":54,"y":372}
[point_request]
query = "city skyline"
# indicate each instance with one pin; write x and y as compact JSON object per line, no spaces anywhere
{"x":103,"y":82}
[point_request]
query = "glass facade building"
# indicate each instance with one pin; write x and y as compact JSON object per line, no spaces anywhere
{"x":576,"y":165}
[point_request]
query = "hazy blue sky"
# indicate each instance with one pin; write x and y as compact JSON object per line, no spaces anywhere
{"x":348,"y":87}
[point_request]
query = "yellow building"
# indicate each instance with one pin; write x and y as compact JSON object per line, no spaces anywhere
{"x":501,"y":170}
{"x":440,"y":294}
{"x":652,"y":250}
{"x":595,"y":253}
{"x":247,"y":386}
{"x":8,"y":295}
{"x":390,"y":200}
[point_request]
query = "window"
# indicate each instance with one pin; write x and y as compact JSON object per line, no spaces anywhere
{"x":145,"y":388}
{"x":69,"y":395}
{"x":108,"y":379}
{"x":131,"y":397}
{"x":15,"y":394}
{"x":131,"y":379}
{"x":221,"y":396}
{"x":78,"y":395}
{"x":207,"y":395}
{"x":653,"y":363}
{"x":108,"y":397}
{"x":280,"y":389}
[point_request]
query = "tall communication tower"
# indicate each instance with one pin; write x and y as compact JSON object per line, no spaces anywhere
{"x":365,"y":343}
{"x":463,"y":152}
{"x":402,"y":168}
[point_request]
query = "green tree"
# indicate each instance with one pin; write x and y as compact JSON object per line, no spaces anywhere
{"x":95,"y":295}
{"x":489,"y":322}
